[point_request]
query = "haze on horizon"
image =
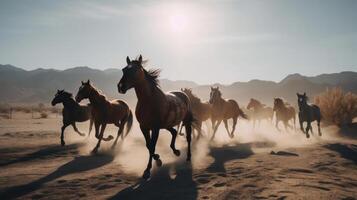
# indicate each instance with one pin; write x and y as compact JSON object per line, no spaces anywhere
{"x":203,"y":41}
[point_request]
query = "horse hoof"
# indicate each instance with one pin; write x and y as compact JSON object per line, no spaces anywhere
{"x":146,"y":175}
{"x":307,"y":135}
{"x":94,"y":151}
{"x":158,"y":162}
{"x":156,"y":156}
{"x":188,"y":159}
{"x":181,"y":134}
{"x":110,"y":137}
{"x":62,"y":143}
{"x":177,"y":152}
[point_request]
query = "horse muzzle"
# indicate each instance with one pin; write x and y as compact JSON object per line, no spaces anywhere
{"x":121,"y":88}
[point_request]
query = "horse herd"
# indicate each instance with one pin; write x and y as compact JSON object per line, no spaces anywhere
{"x":172,"y":111}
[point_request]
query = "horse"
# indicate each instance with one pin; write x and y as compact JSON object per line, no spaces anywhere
{"x":105,"y":112}
{"x":260,"y":111}
{"x":201,"y":110}
{"x":72,"y":112}
{"x":223,"y":109}
{"x":308,"y":113}
{"x":284,"y":112}
{"x":155,"y":109}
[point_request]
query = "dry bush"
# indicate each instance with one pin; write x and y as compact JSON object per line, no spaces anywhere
{"x":43,"y":115}
{"x":337,"y":107}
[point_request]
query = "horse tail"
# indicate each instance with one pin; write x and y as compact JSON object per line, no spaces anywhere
{"x":242,"y":114}
{"x":129,"y":123}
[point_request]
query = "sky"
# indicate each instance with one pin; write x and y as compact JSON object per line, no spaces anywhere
{"x":205,"y":41}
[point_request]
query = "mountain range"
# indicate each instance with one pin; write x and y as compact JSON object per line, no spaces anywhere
{"x":22,"y":86}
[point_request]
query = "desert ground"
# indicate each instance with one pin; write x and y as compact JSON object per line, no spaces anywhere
{"x":33,"y":165}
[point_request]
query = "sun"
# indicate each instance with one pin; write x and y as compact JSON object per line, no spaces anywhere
{"x":178,"y":23}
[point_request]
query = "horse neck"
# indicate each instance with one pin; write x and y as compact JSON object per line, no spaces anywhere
{"x":147,"y":92}
{"x":70,"y":103}
{"x":95,"y":98}
{"x":219,"y":102}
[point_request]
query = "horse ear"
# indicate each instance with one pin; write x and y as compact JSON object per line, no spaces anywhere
{"x":82,"y":82}
{"x":88,"y":82}
{"x":58,"y":91}
{"x":140,"y":59}
{"x":297,"y":94}
{"x":128,"y":60}
{"x":305,"y":94}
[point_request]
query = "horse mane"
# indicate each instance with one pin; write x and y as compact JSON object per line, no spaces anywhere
{"x":194,"y":98}
{"x":67,"y":93}
{"x":152,"y":76}
{"x":100,"y":93}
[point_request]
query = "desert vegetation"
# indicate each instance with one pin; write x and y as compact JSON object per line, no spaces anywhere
{"x":41,"y":110}
{"x":337,"y":107}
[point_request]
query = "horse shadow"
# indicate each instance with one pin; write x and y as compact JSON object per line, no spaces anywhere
{"x":346,"y":151}
{"x":77,"y":165}
{"x":162,"y":185}
{"x":52,"y":150}
{"x":227,"y":153}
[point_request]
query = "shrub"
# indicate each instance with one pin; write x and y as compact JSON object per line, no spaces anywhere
{"x":337,"y":107}
{"x":43,"y":115}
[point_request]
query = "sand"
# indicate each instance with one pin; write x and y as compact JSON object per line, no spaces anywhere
{"x":33,"y":165}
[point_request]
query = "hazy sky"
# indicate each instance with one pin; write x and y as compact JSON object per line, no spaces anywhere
{"x":204,"y":41}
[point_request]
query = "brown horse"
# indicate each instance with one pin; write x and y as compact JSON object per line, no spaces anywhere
{"x":201,"y":110}
{"x":105,"y":112}
{"x":260,"y":111}
{"x":284,"y":112}
{"x":156,"y":110}
{"x":72,"y":112}
{"x":223,"y":109}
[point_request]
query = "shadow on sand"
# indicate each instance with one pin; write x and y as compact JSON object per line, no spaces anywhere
{"x":346,"y":151}
{"x":182,"y":186}
{"x":78,"y":164}
{"x":53,"y":150}
{"x":162,"y":185}
{"x":227,"y":153}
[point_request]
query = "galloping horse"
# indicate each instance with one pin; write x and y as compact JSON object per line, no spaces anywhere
{"x":156,"y":110}
{"x":105,"y":112}
{"x":284,"y":112}
{"x":223,"y":110}
{"x":201,"y":110}
{"x":72,"y":112}
{"x":308,"y":113}
{"x":260,"y":111}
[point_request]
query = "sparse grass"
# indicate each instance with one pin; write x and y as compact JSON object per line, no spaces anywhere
{"x":337,"y":107}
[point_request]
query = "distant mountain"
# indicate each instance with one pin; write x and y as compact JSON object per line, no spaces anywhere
{"x":21,"y":86}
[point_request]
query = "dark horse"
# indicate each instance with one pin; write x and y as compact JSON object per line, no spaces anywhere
{"x":156,"y":110}
{"x":105,"y":112}
{"x":308,"y":113}
{"x":284,"y":112}
{"x":201,"y":110}
{"x":72,"y":112}
{"x":223,"y":109}
{"x":260,"y":111}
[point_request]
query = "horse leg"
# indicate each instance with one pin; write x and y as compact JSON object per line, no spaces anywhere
{"x":188,"y":138}
{"x":277,"y":124}
{"x":286,"y":125}
{"x":75,"y":129}
{"x":215,"y":128}
{"x":102,"y":128}
{"x":199,"y":129}
{"x":96,"y":127}
{"x":146,"y":133}
{"x":179,"y":127}
{"x":120,"y":132}
{"x":318,"y":126}
{"x":307,"y":129}
{"x":173,"y":141}
{"x":235,"y":119}
{"x":301,"y":125}
{"x":90,"y":127}
{"x":62,"y":134}
{"x":226,"y":126}
{"x":154,"y":137}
